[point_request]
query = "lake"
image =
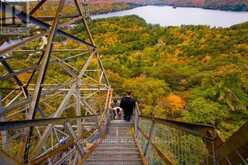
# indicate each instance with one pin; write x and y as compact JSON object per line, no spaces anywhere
{"x":169,"y":16}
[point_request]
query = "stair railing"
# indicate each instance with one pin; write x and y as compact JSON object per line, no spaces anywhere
{"x":235,"y":149}
{"x":164,"y":141}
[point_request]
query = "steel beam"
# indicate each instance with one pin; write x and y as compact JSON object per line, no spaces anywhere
{"x":57,"y":150}
{"x":80,"y":10}
{"x":76,"y":139}
{"x":30,"y":19}
{"x":68,"y":68}
{"x":14,"y":74}
{"x":37,"y":7}
{"x":20,"y":43}
{"x":28,"y":39}
{"x":78,"y":107}
{"x":44,"y":64}
{"x":41,"y":77}
{"x":4,"y":58}
{"x":10,"y":125}
{"x":45,"y":18}
{"x":25,"y":101}
{"x":4,"y":134}
{"x":17,"y":80}
{"x":102,"y":68}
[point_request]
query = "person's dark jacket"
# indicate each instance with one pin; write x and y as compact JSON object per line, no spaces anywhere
{"x":127,"y":104}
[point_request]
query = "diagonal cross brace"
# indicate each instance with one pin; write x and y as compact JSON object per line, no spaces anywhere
{"x":26,"y":18}
{"x":76,"y":139}
{"x":41,"y":78}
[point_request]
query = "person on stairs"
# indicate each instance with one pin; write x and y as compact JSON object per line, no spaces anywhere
{"x":117,"y":113}
{"x":128,"y":105}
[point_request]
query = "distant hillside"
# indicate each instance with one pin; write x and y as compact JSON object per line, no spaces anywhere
{"x":105,"y":6}
{"x":234,"y":5}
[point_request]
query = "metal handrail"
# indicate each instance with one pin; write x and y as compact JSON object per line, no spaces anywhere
{"x":93,"y":138}
{"x":234,"y":150}
{"x":166,"y":159}
{"x":206,"y":132}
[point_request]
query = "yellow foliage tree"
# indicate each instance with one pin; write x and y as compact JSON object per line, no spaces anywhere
{"x":176,"y":102}
{"x":172,"y":105}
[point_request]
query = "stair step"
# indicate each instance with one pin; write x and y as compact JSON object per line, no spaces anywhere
{"x":120,"y":126}
{"x":120,"y":122}
{"x":119,"y":138}
{"x":117,"y":145}
{"x":105,"y":159}
{"x":116,"y":138}
{"x":115,"y":156}
{"x":114,"y":152}
{"x":130,"y":148}
{"x":106,"y":149}
{"x":120,"y":130}
{"x":119,"y":135}
{"x":113,"y":162}
{"x":113,"y":138}
{"x":115,"y":149}
{"x":118,"y":142}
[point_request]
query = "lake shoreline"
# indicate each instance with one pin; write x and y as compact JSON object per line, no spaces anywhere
{"x":170,"y":16}
{"x":135,"y":5}
{"x":201,"y":7}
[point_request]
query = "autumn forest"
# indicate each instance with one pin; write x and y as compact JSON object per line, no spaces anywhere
{"x":190,"y":73}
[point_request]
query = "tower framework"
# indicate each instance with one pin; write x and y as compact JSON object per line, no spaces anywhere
{"x":55,"y":78}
